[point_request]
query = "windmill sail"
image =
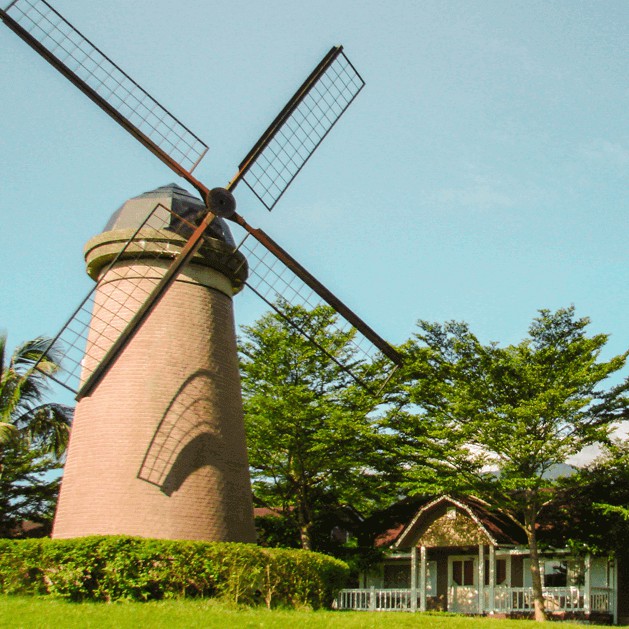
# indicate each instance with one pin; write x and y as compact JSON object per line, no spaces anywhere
{"x":91,"y":334}
{"x":268,"y":169}
{"x":276,"y":276}
{"x":91,"y":338}
{"x":115,"y":92}
{"x":285,"y":147}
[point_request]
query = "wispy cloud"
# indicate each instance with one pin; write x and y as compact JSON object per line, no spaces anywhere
{"x":477,"y":192}
{"x":610,"y":153}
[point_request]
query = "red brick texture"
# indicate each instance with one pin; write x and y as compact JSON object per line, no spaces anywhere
{"x":158,"y":449}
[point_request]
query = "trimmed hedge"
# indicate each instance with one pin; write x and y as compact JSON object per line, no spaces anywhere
{"x":108,"y":568}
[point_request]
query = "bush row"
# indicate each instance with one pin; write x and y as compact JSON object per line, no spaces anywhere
{"x":108,"y":568}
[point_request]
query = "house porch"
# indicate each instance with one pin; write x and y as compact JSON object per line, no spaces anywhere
{"x":579,"y":603}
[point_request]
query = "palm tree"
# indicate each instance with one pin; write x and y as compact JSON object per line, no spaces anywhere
{"x":33,"y":436}
{"x":23,"y":385}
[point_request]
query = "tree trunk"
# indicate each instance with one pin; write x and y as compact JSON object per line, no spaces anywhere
{"x":304,"y":521}
{"x":530,"y":521}
{"x":304,"y":534}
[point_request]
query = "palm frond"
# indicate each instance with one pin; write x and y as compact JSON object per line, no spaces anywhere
{"x":49,"y":426}
{"x":8,"y":432}
{"x":23,"y":385}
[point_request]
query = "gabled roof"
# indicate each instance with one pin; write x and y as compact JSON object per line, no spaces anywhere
{"x":402,"y":524}
{"x":383,"y":527}
{"x":498,"y":530}
{"x":268,"y":512}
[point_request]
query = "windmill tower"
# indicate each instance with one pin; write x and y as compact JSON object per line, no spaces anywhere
{"x":161,"y":452}
{"x":158,"y":445}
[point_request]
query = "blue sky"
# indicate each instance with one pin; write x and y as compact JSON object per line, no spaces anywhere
{"x":481,"y":174}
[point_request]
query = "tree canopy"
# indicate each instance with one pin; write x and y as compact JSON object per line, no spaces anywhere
{"x":311,"y":439}
{"x":591,"y":509}
{"x":492,"y":421}
{"x":33,"y":435}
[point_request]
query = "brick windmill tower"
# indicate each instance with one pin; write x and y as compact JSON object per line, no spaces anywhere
{"x":158,"y":444}
{"x":161,"y":453}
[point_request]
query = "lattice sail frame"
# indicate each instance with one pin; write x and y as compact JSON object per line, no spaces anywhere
{"x":291,"y":139}
{"x":78,"y":343}
{"x":83,"y":341}
{"x":268,"y":170}
{"x":76,"y":57}
{"x":276,"y":284}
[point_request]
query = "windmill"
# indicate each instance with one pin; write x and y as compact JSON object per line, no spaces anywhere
{"x":158,"y":449}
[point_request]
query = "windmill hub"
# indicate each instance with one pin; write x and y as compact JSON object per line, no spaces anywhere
{"x":221,"y":202}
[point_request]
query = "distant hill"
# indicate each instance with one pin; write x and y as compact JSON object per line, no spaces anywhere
{"x":559,"y":470}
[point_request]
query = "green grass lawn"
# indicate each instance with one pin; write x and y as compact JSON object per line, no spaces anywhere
{"x":30,"y":612}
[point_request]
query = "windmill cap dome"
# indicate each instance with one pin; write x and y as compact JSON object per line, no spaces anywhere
{"x":132,"y":213}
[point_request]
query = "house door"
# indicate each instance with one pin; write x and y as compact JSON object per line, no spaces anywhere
{"x":463,"y":585}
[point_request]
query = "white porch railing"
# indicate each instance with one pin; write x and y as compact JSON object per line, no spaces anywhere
{"x":376,"y":600}
{"x":506,"y":599}
{"x":571,"y":599}
{"x":521,"y":599}
{"x":601,"y":600}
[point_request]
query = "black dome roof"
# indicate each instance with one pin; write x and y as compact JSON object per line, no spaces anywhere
{"x":132,"y":213}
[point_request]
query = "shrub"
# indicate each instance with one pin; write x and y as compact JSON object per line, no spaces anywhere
{"x":108,"y":568}
{"x":20,"y":567}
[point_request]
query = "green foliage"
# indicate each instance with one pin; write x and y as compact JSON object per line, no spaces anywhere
{"x":277,"y":532}
{"x":312,"y":444}
{"x":21,"y":567}
{"x":591,"y":506}
{"x":465,"y":407}
{"x":33,"y":436}
{"x":27,"y":491}
{"x":119,"y":567}
{"x":22,"y":388}
{"x":492,"y":421}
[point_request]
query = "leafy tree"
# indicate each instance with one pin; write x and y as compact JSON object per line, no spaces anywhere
{"x":591,"y":509}
{"x":492,"y":421}
{"x":277,"y":531}
{"x":310,"y":438}
{"x":33,"y":435}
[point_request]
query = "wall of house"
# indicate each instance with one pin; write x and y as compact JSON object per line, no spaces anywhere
{"x":449,"y":530}
{"x":393,"y":572}
{"x":451,"y":527}
{"x":373,"y":578}
{"x":622,"y":564}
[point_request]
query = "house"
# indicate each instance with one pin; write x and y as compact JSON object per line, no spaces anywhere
{"x":457,"y":555}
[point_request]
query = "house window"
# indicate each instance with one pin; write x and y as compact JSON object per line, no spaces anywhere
{"x":599,"y":572}
{"x":555,"y":573}
{"x":397,"y":576}
{"x":501,"y":571}
{"x":463,"y":571}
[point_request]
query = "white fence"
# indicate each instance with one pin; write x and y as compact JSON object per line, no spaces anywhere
{"x":506,"y":599}
{"x":570,"y":599}
{"x":376,"y":600}
{"x":521,"y":599}
{"x":601,"y":600}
